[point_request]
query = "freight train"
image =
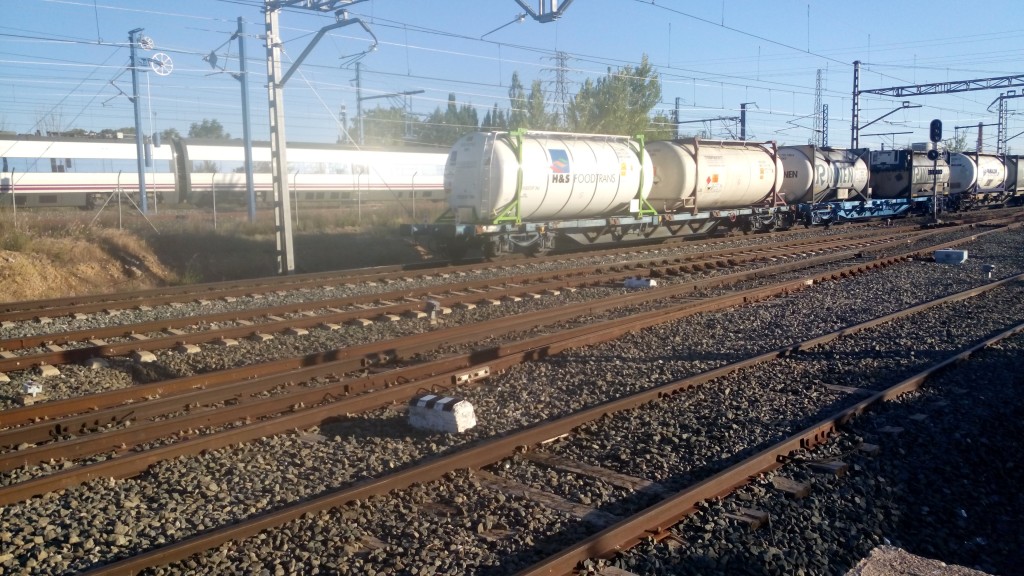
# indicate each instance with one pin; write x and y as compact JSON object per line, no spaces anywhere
{"x":532,"y":191}
{"x":84,"y":172}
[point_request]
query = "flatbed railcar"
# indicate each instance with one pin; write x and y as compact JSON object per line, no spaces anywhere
{"x":532,"y":191}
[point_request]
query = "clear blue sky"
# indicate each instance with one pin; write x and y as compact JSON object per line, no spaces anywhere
{"x":63,"y":62}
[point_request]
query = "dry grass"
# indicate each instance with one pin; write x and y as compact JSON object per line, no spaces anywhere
{"x":62,"y":253}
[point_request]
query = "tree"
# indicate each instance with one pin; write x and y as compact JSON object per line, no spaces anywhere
{"x":494,"y":119}
{"x":619,"y":103}
{"x":517,"y":114}
{"x":208,"y":129}
{"x":443,"y":127}
{"x":113,"y":132}
{"x":958,"y":143}
{"x":537,"y":115}
{"x":662,"y":127}
{"x":385,"y":126}
{"x":170,"y":134}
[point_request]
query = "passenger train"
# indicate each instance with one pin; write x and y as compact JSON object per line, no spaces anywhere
{"x":84,"y":172}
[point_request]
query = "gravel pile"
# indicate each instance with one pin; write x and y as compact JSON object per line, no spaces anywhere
{"x":105,"y":520}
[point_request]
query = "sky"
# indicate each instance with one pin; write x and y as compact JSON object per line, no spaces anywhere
{"x":65,"y":63}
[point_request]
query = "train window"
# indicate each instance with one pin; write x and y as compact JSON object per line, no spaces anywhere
{"x":346,"y":195}
{"x":49,"y":199}
{"x":319,"y":195}
{"x":335,"y":195}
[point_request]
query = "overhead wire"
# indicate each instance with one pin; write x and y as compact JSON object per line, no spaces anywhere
{"x":668,"y":74}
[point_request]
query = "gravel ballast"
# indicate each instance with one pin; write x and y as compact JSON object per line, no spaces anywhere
{"x":106,"y":519}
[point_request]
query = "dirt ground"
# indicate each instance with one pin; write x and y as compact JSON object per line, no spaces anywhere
{"x":121,"y":261}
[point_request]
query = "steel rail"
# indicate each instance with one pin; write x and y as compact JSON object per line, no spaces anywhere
{"x":87,"y":406}
{"x":557,"y":281}
{"x":395,"y":349}
{"x":61,"y":338}
{"x":491,"y":451}
{"x":324,"y":402}
{"x":27,"y":310}
{"x":655,"y":519}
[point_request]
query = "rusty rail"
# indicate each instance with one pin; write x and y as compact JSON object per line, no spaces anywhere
{"x":492,"y":451}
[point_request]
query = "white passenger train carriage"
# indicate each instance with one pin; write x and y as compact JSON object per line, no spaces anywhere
{"x":78,"y":172}
{"x":84,"y":172}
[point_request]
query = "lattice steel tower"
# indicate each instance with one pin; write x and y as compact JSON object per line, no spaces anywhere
{"x":817,"y":134}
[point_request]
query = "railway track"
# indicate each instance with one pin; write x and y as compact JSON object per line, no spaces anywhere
{"x":11,"y":312}
{"x":368,"y":380}
{"x":184,"y":333}
{"x":621,"y":532}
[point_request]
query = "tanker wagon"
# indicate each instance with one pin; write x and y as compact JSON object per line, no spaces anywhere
{"x":822,"y":183}
{"x":1014,"y":179}
{"x":519,"y":191}
{"x":977,"y":178}
{"x":814,"y":174}
{"x":718,"y":183}
{"x":905,"y":181}
{"x":907,"y":173}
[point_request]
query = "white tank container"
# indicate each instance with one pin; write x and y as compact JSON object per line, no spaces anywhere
{"x":564,"y":176}
{"x":813,"y":174}
{"x":902,"y":173}
{"x":1015,"y":174}
{"x":699,"y":176}
{"x":976,"y":173}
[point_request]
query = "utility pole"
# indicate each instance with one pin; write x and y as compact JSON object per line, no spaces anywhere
{"x":359,"y":100}
{"x":275,"y":94}
{"x":243,"y":79}
{"x":278,"y":149}
{"x":743,"y":119}
{"x":139,"y":151}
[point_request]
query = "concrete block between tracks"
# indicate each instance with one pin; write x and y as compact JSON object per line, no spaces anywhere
{"x":225,"y":342}
{"x":4,"y":377}
{"x":388,"y":318}
{"x":187,"y":349}
{"x":143,"y":356}
{"x":489,"y":302}
{"x":96,"y":363}
{"x":950,"y":256}
{"x":7,"y":354}
{"x":465,"y":306}
{"x":329,"y":326}
{"x":293,"y":331}
{"x":441,"y":413}
{"x":415,"y":314}
{"x":46,"y":371}
{"x":361,"y":322}
{"x":261,"y":337}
